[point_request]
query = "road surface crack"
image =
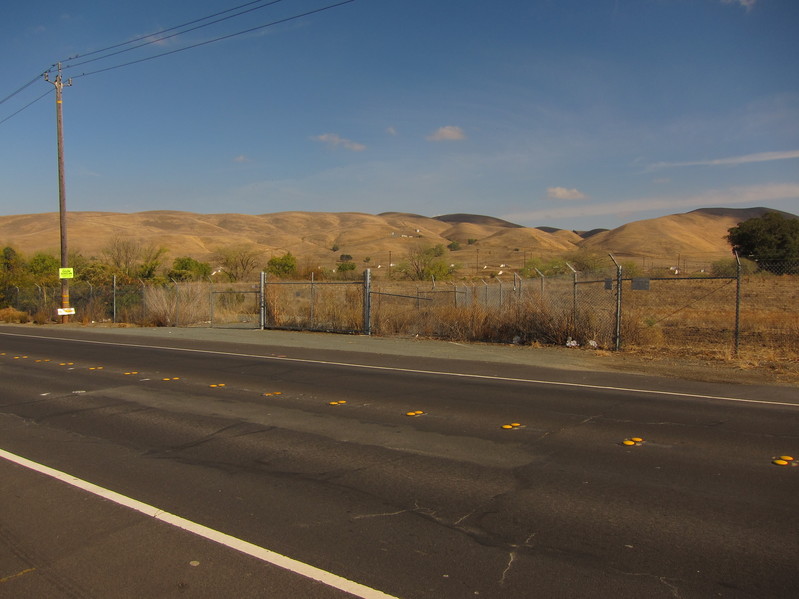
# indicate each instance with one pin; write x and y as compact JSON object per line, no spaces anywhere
{"x":675,"y":591}
{"x":383,"y":515}
{"x":511,"y":559}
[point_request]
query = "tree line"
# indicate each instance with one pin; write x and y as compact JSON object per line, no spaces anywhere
{"x":130,"y":261}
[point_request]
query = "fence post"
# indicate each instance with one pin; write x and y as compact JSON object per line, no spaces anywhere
{"x":617,"y":334}
{"x":543,"y":278}
{"x":737,"y":303}
{"x":574,"y":299}
{"x":211,"y":306}
{"x":114,"y":301}
{"x":262,"y":301}
{"x":313,"y":296}
{"x":367,"y":301}
{"x":177,"y":304}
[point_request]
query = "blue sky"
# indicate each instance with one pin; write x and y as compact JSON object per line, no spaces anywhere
{"x":565,"y":113}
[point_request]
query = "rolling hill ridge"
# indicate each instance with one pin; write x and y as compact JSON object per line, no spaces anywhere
{"x":322,"y":237}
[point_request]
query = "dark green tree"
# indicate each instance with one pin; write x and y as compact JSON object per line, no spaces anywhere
{"x":185,"y":268}
{"x":771,"y":240}
{"x":282,"y":266}
{"x":44,"y":268}
{"x":11,"y":266}
{"x":96,"y":273}
{"x":151,"y":257}
{"x":424,"y":262}
{"x":346,"y":270}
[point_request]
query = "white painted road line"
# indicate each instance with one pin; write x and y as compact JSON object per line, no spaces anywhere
{"x":265,"y":555}
{"x":415,"y":371}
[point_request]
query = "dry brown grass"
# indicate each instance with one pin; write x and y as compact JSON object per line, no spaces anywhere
{"x":336,"y":307}
{"x":12,"y":315}
{"x":175,"y":305}
{"x":685,"y":315}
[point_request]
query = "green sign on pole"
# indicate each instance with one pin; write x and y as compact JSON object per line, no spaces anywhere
{"x":66,"y":273}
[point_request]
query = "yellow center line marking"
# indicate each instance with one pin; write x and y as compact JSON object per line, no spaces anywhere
{"x":17,"y":575}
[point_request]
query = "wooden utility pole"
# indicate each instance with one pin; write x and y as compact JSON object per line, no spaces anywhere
{"x":62,"y":195}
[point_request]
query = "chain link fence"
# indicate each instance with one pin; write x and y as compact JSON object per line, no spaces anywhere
{"x":747,"y":307}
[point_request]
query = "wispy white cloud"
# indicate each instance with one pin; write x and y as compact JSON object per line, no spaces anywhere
{"x":448,"y":133}
{"x":85,"y":172}
{"x":755,"y":195}
{"x":241,"y":158}
{"x":334,"y":140}
{"x":747,"y":4}
{"x":564,"y":193}
{"x":391,"y":130}
{"x":733,"y":160}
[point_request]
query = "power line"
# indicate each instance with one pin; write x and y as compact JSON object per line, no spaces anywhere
{"x":151,"y":39}
{"x":23,"y":88}
{"x":197,"y":45}
{"x":13,"y":114}
{"x":149,"y":35}
{"x":218,"y":39}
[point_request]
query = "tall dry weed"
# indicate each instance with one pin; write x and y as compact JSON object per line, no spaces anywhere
{"x":176,"y":305}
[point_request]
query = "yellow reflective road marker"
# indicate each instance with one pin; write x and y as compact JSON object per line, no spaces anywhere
{"x":785,"y":460}
{"x":630,"y":441}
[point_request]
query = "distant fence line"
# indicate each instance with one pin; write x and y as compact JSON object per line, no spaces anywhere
{"x":603,"y":308}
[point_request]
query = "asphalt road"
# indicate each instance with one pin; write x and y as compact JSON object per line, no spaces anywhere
{"x":309,"y":452}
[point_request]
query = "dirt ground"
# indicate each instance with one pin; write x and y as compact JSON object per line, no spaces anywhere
{"x":707,"y":367}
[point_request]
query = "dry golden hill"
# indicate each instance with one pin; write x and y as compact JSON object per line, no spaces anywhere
{"x":698,"y":235}
{"x":321,"y":238}
{"x":316,"y":238}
